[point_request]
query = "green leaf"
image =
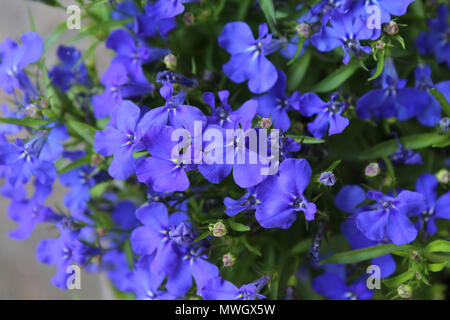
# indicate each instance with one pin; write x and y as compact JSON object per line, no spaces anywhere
{"x":83,"y":130}
{"x":128,"y":253}
{"x":76,"y":164}
{"x":98,"y":190}
{"x":269,"y":12}
{"x":32,"y":23}
{"x":363,"y":254}
{"x":438,"y":246}
{"x":250,"y":247}
{"x":400,"y":40}
{"x":380,"y":65}
{"x":338,"y":77}
{"x":54,"y":36}
{"x":95,"y":3}
{"x":26,"y":122}
{"x":416,"y":141}
{"x":306,"y":139}
{"x":238,"y":226}
{"x":442,"y":100}
{"x":333,"y":165}
{"x":202,"y":236}
{"x":297,"y":70}
{"x":301,"y":41}
{"x":400,"y":279}
{"x":436,"y":267}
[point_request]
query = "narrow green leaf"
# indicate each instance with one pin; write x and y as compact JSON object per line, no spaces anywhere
{"x":442,"y":100}
{"x":83,"y":130}
{"x":98,"y":190}
{"x":363,"y":254}
{"x":202,"y":236}
{"x":338,"y":77}
{"x":416,"y":141}
{"x":306,"y":139}
{"x":269,"y":12}
{"x":436,"y":267}
{"x":333,"y":165}
{"x":400,"y":279}
{"x":438,"y":246}
{"x":32,"y":23}
{"x":76,"y":164}
{"x":380,"y":65}
{"x":128,"y":253}
{"x":26,"y":122}
{"x":238,"y":226}
{"x":250,"y":247}
{"x":54,"y":36}
{"x":297,"y":70}
{"x":301,"y":41}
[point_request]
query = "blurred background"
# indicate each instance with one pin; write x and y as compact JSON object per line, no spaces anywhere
{"x":21,"y":274}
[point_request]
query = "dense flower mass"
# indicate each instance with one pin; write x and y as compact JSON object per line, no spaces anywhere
{"x":237,"y":150}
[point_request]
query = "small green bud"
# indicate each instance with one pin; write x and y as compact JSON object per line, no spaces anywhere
{"x":219,"y":229}
{"x":404,"y":291}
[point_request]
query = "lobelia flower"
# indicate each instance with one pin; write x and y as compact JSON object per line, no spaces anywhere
{"x":323,"y":11}
{"x":248,"y":61}
{"x":118,"y":84}
{"x":389,"y":220}
{"x":174,"y":113}
{"x":346,"y":31}
{"x":348,"y":199}
{"x":24,"y":161}
{"x":282,"y":196}
{"x":62,"y":252}
{"x":392,"y":99}
{"x":328,"y":114}
{"x":53,"y":147}
{"x":132,"y":53}
{"x":151,"y":23}
{"x":223,"y":114}
{"x":29,"y":213}
{"x":327,"y":178}
{"x":121,"y":137}
{"x":14,"y":58}
{"x":435,"y":208}
{"x":167,"y":76}
{"x":70,"y":71}
{"x":219,"y":289}
{"x":144,"y":283}
{"x":247,"y":202}
{"x":162,"y":171}
{"x":125,"y":10}
{"x":431,"y":114}
{"x":405,"y":156}
{"x":276,"y":104}
{"x":115,"y":264}
{"x":168,"y":237}
{"x":437,"y":40}
{"x":334,"y":287}
{"x":193,"y":265}
{"x":169,"y":8}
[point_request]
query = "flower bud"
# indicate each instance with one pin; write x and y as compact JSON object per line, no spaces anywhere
{"x":31,"y":110}
{"x":188,"y":19}
{"x":265,"y":123}
{"x":391,"y":28}
{"x":380,"y":45}
{"x":219,"y":229}
{"x":443,"y":176}
{"x":327,"y":178}
{"x":44,"y":103}
{"x":96,"y":160}
{"x":404,"y":291}
{"x":228,"y":260}
{"x":372,"y":169}
{"x":170,"y":61}
{"x":303,"y":29}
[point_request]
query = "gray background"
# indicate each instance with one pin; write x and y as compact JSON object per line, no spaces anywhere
{"x":21,"y":275}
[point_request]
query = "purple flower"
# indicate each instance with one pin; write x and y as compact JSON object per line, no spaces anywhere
{"x":219,"y":289}
{"x":346,"y":31}
{"x":393,"y":99}
{"x":24,"y":161}
{"x":162,"y":171}
{"x":118,"y":84}
{"x":166,"y":236}
{"x":174,"y":113}
{"x":152,"y":23}
{"x":14,"y":58}
{"x":437,"y":40}
{"x":333,"y":287}
{"x":132,"y":53}
{"x":248,"y":61}
{"x":169,"y":8}
{"x":282,"y":196}
{"x":276,"y":104}
{"x":389,"y":220}
{"x":70,"y":72}
{"x":327,"y":178}
{"x":29,"y":213}
{"x":435,"y":208}
{"x":247,"y":202}
{"x":405,"y":156}
{"x":167,"y":76}
{"x":328,"y":114}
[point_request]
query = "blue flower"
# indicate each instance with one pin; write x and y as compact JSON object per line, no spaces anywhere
{"x":166,"y":236}
{"x":333,"y":287}
{"x":248,"y":61}
{"x":71,"y":71}
{"x":346,"y":32}
{"x":389,"y":220}
{"x":166,"y":76}
{"x":435,"y":208}
{"x":282,"y":195}
{"x":247,"y":202}
{"x":151,"y":23}
{"x":405,"y":156}
{"x":328,"y":114}
{"x":276,"y":104}
{"x":219,"y":289}
{"x":120,"y":139}
{"x":437,"y":39}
